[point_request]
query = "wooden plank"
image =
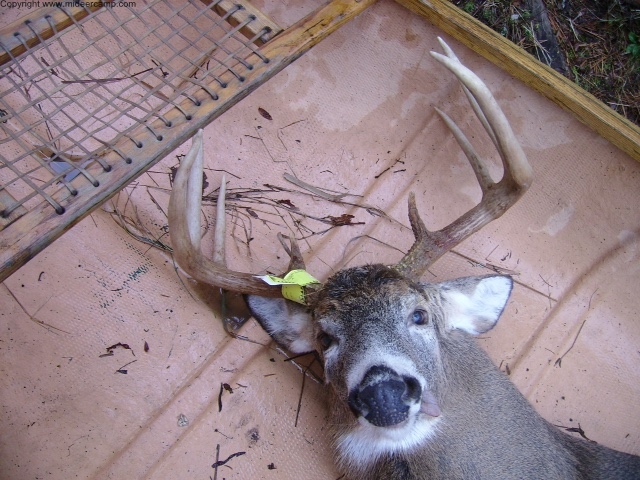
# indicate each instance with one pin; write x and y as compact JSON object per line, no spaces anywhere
{"x":31,"y":233}
{"x":262,"y":20}
{"x":7,"y":201}
{"x":38,"y":21}
{"x":515,"y":61}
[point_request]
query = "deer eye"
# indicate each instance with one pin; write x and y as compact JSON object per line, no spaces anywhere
{"x":325,"y":340}
{"x":420,"y":317}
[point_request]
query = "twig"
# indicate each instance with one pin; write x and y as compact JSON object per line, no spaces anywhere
{"x":295,"y":357}
{"x":122,"y":370}
{"x":108,"y":80}
{"x":293,"y":123}
{"x":548,"y":289}
{"x":558,"y":362}
{"x":304,"y":379}
{"x":215,"y":465}
{"x":315,"y":190}
{"x":491,"y":252}
{"x":219,"y":463}
{"x":358,"y":237}
{"x":397,"y":160}
{"x":128,"y":227}
{"x":33,"y":317}
{"x":544,"y":281}
{"x":265,"y":147}
{"x":577,"y":430}
{"x":337,"y":198}
{"x":225,"y":436}
{"x":306,"y":369}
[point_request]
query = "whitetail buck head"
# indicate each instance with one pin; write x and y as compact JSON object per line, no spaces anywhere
{"x":385,"y":338}
{"x":381,"y":337}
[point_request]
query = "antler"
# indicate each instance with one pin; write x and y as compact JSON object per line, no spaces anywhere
{"x":497,"y":198}
{"x":184,"y":222}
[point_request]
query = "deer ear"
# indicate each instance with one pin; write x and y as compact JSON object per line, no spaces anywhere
{"x":288,"y":323}
{"x":474,"y":304}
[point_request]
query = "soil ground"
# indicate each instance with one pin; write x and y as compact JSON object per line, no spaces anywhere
{"x":595,"y":43}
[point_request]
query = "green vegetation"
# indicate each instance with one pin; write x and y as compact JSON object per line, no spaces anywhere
{"x":599,"y":41}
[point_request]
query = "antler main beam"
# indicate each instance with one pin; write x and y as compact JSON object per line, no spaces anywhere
{"x":497,"y":197}
{"x":184,"y":229}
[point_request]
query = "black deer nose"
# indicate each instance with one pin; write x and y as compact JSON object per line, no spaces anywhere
{"x":384,"y":397}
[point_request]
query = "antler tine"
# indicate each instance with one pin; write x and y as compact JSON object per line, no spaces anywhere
{"x":479,"y":168}
{"x":221,"y":226}
{"x":296,"y":261}
{"x":184,"y":229}
{"x":493,"y":119}
{"x":474,"y":104}
{"x":497,"y":197}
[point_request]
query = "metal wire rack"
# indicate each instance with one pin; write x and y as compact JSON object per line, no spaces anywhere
{"x":66,"y":102}
{"x":91,"y":97}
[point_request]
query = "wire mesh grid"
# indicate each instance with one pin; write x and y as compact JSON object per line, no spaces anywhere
{"x":86,"y":91}
{"x":91,"y":97}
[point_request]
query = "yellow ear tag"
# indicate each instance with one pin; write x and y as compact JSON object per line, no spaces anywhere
{"x":293,"y":284}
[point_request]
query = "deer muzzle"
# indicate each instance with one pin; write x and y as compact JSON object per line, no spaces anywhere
{"x":384,"y":398}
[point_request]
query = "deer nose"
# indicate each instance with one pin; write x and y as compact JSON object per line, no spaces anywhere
{"x":384,"y":397}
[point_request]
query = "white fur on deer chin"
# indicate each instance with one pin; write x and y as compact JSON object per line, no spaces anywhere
{"x":365,"y":444}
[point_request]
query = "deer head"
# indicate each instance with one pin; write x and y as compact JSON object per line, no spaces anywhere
{"x":381,"y":333}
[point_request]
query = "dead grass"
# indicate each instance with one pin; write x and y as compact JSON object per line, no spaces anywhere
{"x":600,"y":42}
